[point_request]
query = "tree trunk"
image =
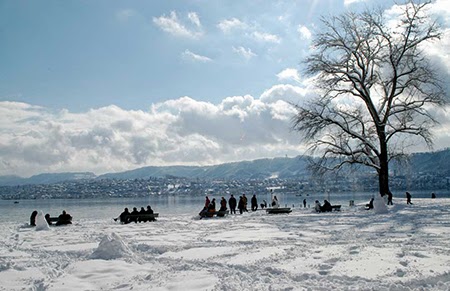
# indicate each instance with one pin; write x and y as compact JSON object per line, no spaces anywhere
{"x":383,"y":173}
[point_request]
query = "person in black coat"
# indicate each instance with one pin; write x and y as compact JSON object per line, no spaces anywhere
{"x":33,"y":218}
{"x":254,"y":203}
{"x":64,"y":218}
{"x":408,"y":198}
{"x":223,"y":204}
{"x":232,"y":204}
{"x":135,"y":212}
{"x":326,"y":207}
{"x":370,"y":205}
{"x":241,"y":205}
{"x":124,"y":216}
{"x":141,"y":213}
{"x":389,"y":195}
{"x":149,"y":209}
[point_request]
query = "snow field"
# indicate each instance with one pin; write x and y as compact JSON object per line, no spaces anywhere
{"x":406,"y":248}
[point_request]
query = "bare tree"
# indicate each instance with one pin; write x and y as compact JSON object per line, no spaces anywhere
{"x":375,"y":89}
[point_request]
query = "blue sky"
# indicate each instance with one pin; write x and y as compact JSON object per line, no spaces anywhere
{"x":88,"y":54}
{"x":108,"y":86}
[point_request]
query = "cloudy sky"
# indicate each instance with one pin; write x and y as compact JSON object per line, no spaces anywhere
{"x":107,"y":86}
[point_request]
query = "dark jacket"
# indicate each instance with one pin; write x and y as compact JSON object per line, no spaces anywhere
{"x":124,"y":216}
{"x":232,"y":202}
{"x":326,"y":206}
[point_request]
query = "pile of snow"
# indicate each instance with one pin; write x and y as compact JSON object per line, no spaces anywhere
{"x":379,"y":206}
{"x":111,"y":247}
{"x":41,"y":223}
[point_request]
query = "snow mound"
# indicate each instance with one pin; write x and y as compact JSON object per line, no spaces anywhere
{"x":111,"y":247}
{"x":379,"y":206}
{"x":41,"y":223}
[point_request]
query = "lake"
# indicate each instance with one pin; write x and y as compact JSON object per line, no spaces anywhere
{"x":107,"y":208}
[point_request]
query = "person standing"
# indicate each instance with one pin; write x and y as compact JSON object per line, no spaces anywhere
{"x":232,"y":204}
{"x":408,"y":198}
{"x":33,"y":218}
{"x":254,"y":203}
{"x":241,"y":205}
{"x":223,"y":204}
{"x":389,"y":202}
{"x":304,"y":203}
{"x":244,"y":198}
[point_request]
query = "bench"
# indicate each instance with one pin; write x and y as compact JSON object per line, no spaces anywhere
{"x":140,"y":217}
{"x":333,"y":207}
{"x":336,"y":207}
{"x":212,"y":214}
{"x":55,"y":221}
{"x":278,"y":210}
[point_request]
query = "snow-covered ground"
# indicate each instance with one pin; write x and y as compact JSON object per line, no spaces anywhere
{"x":406,"y":249}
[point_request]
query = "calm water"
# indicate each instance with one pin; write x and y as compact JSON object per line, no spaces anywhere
{"x":97,"y":209}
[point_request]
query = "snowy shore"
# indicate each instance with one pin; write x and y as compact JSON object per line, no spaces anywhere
{"x":355,"y":249}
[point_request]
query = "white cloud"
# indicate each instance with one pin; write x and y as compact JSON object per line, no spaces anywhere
{"x":289,"y":74}
{"x":286,"y":93}
{"x":188,"y":55}
{"x":172,"y":25}
{"x":266,"y":37}
{"x":349,"y":2}
{"x":228,"y":25}
{"x":180,"y":131}
{"x":246,"y":53}
{"x":193,"y":17}
{"x":438,"y":50}
{"x":305,"y":33}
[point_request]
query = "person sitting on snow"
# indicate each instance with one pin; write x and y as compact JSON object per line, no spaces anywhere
{"x":123,"y":216}
{"x":275,"y":203}
{"x":64,"y":218}
{"x":326,"y":207}
{"x":47,"y":218}
{"x":370,"y":205}
{"x":135,"y":213}
{"x":141,"y":213}
{"x":264,"y":204}
{"x":317,"y":206}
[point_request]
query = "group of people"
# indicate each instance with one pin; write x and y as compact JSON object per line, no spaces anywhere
{"x":233,"y":203}
{"x":326,"y":207}
{"x":136,"y":216}
{"x":389,"y":199}
{"x":63,"y":218}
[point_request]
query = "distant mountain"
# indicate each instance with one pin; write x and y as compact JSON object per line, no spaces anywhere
{"x":257,"y":169}
{"x":436,"y":163}
{"x":46,"y":178}
{"x":11,"y":180}
{"x":432,"y":162}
